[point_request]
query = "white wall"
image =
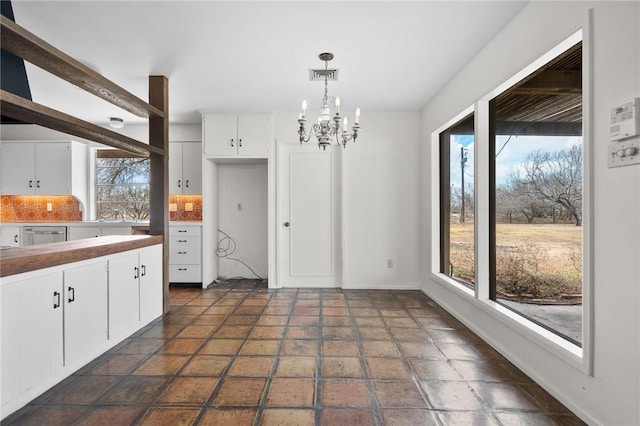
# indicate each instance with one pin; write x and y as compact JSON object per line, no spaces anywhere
{"x":610,"y":396}
{"x":244,"y":185}
{"x":380,"y":198}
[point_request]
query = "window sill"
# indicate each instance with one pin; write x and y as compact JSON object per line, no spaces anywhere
{"x":551,"y":342}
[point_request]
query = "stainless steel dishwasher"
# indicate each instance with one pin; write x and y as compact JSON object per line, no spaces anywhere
{"x":32,"y":235}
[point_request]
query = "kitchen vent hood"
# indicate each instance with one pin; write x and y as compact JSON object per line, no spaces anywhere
{"x":13,"y":75}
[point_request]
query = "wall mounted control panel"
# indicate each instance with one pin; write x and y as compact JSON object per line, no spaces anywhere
{"x":624,"y":134}
{"x":625,"y":120}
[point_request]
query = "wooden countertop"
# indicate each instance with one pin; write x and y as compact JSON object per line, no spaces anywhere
{"x":17,"y":260}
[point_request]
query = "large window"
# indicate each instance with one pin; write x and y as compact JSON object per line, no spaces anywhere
{"x":536,"y":151}
{"x":457,"y":218}
{"x":122,"y":186}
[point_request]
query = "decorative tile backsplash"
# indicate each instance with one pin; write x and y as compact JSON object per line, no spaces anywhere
{"x":32,"y":208}
{"x":179,"y":203}
{"x":66,"y":208}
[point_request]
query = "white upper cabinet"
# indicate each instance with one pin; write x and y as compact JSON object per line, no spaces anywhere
{"x":236,"y":135}
{"x":44,"y":168}
{"x":185,"y":168}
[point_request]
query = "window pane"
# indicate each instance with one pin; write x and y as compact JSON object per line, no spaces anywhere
{"x":458,"y":202}
{"x":122,"y":188}
{"x":538,"y":196}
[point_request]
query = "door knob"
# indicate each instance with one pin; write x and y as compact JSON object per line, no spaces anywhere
{"x":286,"y":224}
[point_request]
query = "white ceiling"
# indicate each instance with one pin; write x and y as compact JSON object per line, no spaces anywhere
{"x":255,"y":56}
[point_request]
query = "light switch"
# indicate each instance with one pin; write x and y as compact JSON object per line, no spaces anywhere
{"x":173,"y":207}
{"x":188,"y":207}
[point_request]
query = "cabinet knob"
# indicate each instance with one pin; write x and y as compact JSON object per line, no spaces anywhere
{"x":287,"y":224}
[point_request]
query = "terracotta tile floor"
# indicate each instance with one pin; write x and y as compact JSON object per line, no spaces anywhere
{"x":239,"y":354}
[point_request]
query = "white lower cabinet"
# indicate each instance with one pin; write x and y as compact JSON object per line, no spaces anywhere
{"x":185,"y":253}
{"x":150,"y":283}
{"x":32,"y":336}
{"x":54,"y":320}
{"x":85,"y":310}
{"x":135,"y":290}
{"x":92,"y":231}
{"x":10,"y":235}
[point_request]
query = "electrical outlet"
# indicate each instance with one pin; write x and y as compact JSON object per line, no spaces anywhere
{"x":173,"y":207}
{"x":188,"y":207}
{"x":49,"y":207}
{"x":390,"y":263}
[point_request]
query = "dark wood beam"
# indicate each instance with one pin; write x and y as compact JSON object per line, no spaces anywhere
{"x":159,"y":173}
{"x":30,"y":112}
{"x":551,"y":82}
{"x":543,"y":128}
{"x":24,"y":44}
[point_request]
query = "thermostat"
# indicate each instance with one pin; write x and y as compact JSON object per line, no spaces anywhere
{"x":625,"y":120}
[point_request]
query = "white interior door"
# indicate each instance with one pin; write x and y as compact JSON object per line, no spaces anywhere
{"x":309,"y":209}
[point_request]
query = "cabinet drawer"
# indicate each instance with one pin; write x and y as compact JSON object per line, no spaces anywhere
{"x":185,"y":273}
{"x":188,"y":255}
{"x":184,"y":230}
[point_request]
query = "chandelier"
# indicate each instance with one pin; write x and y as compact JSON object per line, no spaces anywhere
{"x":328,"y":127}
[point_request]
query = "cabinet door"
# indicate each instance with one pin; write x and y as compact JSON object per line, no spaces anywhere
{"x":53,"y":168}
{"x":85,"y":311}
{"x":10,"y":236}
{"x":115,"y":230}
{"x":175,"y":168}
{"x":124,"y":302}
{"x":253,"y":135}
{"x":191,"y":168}
{"x":220,"y":135}
{"x":80,"y":232}
{"x":18,"y":168}
{"x":32,"y":345}
{"x":150,"y":283}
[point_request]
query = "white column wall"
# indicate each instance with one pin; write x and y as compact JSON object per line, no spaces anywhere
{"x":610,"y":396}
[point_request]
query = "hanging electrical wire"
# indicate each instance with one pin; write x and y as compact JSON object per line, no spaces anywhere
{"x":226,"y":247}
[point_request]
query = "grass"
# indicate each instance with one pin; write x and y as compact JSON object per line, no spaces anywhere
{"x":533,"y":260}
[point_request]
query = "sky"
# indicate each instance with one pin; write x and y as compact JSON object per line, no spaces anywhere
{"x":510,"y":158}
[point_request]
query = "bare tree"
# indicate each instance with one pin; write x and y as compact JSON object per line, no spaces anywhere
{"x":557,"y":177}
{"x":519,"y":196}
{"x":122,"y":188}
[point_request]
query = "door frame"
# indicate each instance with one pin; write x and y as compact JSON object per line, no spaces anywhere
{"x":282,"y":214}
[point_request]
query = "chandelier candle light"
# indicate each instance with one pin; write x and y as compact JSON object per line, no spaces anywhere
{"x":328,"y":127}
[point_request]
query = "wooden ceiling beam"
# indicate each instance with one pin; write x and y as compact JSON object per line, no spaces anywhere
{"x":551,"y":82}
{"x":24,"y":44}
{"x":30,"y":112}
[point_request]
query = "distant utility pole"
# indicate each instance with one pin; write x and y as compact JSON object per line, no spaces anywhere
{"x":463,"y":161}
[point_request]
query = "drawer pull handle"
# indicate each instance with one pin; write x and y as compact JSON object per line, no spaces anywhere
{"x":144,"y":270}
{"x":232,"y":142}
{"x":56,"y":303}
{"x":179,"y":183}
{"x":182,"y":252}
{"x":30,"y":184}
{"x":186,"y":183}
{"x":72,"y":294}
{"x":182,"y":230}
{"x":182,"y":241}
{"x":182,"y":269}
{"x":137,"y":272}
{"x":15,"y":238}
